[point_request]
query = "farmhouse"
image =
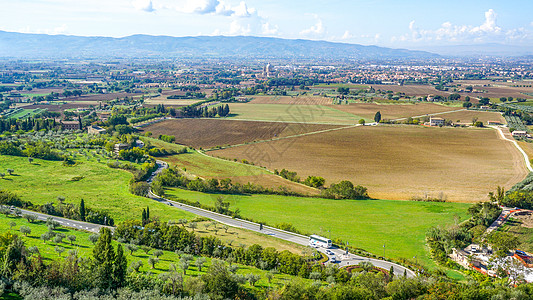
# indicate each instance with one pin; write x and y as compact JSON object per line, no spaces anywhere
{"x":70,"y":125}
{"x":435,"y":121}
{"x":119,"y":147}
{"x":93,"y":129}
{"x":494,"y":123}
{"x":520,"y":134}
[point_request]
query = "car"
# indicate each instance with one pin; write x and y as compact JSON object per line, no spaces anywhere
{"x":329,"y":252}
{"x":333,"y":259}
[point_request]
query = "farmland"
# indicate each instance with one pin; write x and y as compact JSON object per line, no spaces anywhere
{"x":393,"y":111}
{"x":208,"y":133}
{"x":292,"y":113}
{"x":211,"y":167}
{"x":398,"y":162}
{"x":100,"y":186}
{"x":298,"y":100}
{"x":366,"y":224}
{"x":467,"y":116}
{"x":412,"y":90}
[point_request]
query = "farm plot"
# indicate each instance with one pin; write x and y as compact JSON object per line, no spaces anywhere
{"x":298,"y":100}
{"x":319,"y":114}
{"x":411,"y":90}
{"x":205,"y":166}
{"x":399,"y":162}
{"x":207,"y":133}
{"x":393,"y":111}
{"x":467,"y":116}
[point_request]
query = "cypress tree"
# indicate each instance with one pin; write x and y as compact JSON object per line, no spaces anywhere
{"x":120,"y":267}
{"x":104,"y":260}
{"x":144,"y":217}
{"x":82,"y":210}
{"x":377,"y":117}
{"x":147,"y":214}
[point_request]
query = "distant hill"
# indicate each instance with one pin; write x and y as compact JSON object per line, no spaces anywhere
{"x":481,"y":50}
{"x":22,"y":45}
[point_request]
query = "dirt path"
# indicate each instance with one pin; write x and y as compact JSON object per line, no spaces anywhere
{"x":519,"y":157}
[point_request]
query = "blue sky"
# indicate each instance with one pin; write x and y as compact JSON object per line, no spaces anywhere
{"x":399,"y":23}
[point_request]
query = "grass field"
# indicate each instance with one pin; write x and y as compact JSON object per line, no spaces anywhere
{"x":206,"y":166}
{"x":292,"y":100}
{"x":207,"y":133}
{"x":367,"y":224}
{"x":101,"y":187}
{"x":398,"y":162}
{"x":393,"y":111}
{"x":25,"y":113}
{"x":84,"y":248}
{"x":292,"y":113}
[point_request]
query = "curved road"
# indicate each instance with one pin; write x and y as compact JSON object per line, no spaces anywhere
{"x":343,"y":258}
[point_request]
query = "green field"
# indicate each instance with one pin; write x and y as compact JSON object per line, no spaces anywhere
{"x":101,"y":187}
{"x":84,"y":248}
{"x":25,"y":113}
{"x":204,"y":165}
{"x":366,"y":224}
{"x":291,"y":113}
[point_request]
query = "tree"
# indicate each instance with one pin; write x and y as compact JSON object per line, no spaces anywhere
{"x":377,"y":117}
{"x":391,"y":273}
{"x":193,"y":225}
{"x":71,"y":238}
{"x":252,"y":278}
{"x":25,"y":230}
{"x":94,"y":238}
{"x":362,"y":122}
{"x":158,"y":253}
{"x":103,"y":260}
{"x":184,"y":264}
{"x":153,"y":261}
{"x":12,"y":224}
{"x":200,"y":261}
{"x":10,"y":171}
{"x":30,"y":160}
{"x":59,"y":250}
{"x":45,"y":237}
{"x":136,"y":265}
{"x":120,"y":266}
{"x":31,"y":218}
{"x":82,"y":210}
{"x":131,"y":248}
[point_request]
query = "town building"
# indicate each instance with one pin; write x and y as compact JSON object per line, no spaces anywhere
{"x":70,"y":125}
{"x":520,"y":134}
{"x":93,"y":129}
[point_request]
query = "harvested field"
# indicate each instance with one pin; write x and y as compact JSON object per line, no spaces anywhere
{"x":412,"y":90}
{"x":318,"y":114}
{"x":101,"y":97}
{"x":398,"y":162}
{"x":207,"y":133}
{"x":274,"y":182}
{"x":297,"y":100}
{"x":170,"y":102}
{"x":393,"y":111}
{"x":499,"y":89}
{"x":468,"y":115}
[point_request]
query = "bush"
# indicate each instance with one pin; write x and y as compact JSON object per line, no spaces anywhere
{"x":140,"y":188}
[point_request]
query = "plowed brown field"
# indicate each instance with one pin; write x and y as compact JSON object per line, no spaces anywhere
{"x":207,"y":133}
{"x":398,"y":162}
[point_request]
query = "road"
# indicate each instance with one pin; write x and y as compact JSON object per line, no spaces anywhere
{"x":345,"y":259}
{"x":526,"y":157}
{"x":67,"y":222}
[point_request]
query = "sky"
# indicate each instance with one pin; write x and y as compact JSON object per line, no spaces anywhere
{"x":408,"y":24}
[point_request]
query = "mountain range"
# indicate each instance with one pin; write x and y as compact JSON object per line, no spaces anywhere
{"x":24,"y":45}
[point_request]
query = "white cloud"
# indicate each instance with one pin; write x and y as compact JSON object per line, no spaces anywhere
{"x":315,"y":30}
{"x":237,"y":28}
{"x":216,"y":7}
{"x":143,"y":5}
{"x":347,"y":35}
{"x":488,"y":31}
{"x":268,"y":29}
